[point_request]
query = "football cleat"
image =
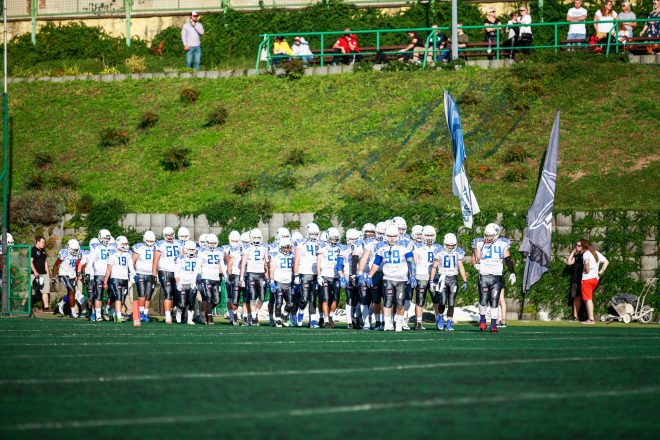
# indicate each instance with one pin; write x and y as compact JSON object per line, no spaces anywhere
{"x":366,"y":328}
{"x":60,"y":308}
{"x":493,"y":328}
{"x":404,"y":325}
{"x":191,"y":323}
{"x":381,"y":327}
{"x":245,"y":321}
{"x":313,"y":324}
{"x":301,"y":316}
{"x":449,"y":327}
{"x":99,"y":318}
{"x":322,"y":323}
{"x":482,"y":327}
{"x":92,"y":317}
{"x":440,"y":322}
{"x":278,"y":323}
{"x":419,"y":326}
{"x":501,"y":324}
{"x":331,"y":322}
{"x":272,"y":322}
{"x":349,"y":326}
{"x":388,"y":328}
{"x":255,"y":322}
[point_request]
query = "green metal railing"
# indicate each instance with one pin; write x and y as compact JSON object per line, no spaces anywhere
{"x":19,"y":294}
{"x":612,"y":44}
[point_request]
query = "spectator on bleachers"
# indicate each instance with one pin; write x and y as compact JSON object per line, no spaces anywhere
{"x":577,"y":14}
{"x":438,"y":51}
{"x":512,"y":33}
{"x":490,"y":33}
{"x":627,"y":14}
{"x":281,"y":50}
{"x":604,"y":20}
{"x":652,"y":28}
{"x":346,"y":45}
{"x":301,"y":50}
{"x":412,"y":51}
{"x":525,"y":37}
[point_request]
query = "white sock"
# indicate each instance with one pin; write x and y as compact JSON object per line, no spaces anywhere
{"x":325,"y":316}
{"x":406,"y":307}
{"x":365,"y":314}
{"x":98,"y":311}
{"x":191,"y":314}
{"x":168,"y":314}
{"x":381,"y":317}
{"x":482,"y":310}
{"x":494,"y":312}
{"x":388,"y":320}
{"x":332,"y":315}
{"x":349,"y":313}
{"x":141,"y":310}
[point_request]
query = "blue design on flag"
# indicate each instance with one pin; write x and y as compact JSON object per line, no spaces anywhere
{"x":460,"y":184}
{"x":537,"y":243}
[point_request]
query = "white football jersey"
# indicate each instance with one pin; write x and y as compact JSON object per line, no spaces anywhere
{"x":68,"y":266}
{"x":394,"y":264}
{"x":282,"y":266}
{"x":86,"y":259}
{"x":99,"y":258}
{"x":346,"y":252}
{"x":169,"y":252}
{"x":490,"y":256}
{"x":329,"y":255}
{"x":122,"y":265}
{"x":211,"y":263}
{"x":145,"y":258}
{"x":370,"y":245}
{"x":424,"y":257}
{"x":308,"y":254}
{"x":448,"y":261}
{"x":186,"y":269}
{"x":236,"y":252}
{"x":256,"y":257}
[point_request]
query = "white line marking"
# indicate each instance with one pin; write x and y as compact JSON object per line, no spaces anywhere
{"x":223,"y":375}
{"x":305,"y":412}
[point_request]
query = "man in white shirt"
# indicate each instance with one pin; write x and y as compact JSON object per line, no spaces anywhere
{"x":191,"y":35}
{"x":577,"y":14}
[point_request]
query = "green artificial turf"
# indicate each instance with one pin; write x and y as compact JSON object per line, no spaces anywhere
{"x":76,"y":379}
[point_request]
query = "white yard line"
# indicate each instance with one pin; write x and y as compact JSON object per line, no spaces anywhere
{"x":304,"y":412}
{"x":289,"y":372}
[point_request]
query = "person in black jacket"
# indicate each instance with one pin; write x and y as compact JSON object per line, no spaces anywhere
{"x":574,"y":269}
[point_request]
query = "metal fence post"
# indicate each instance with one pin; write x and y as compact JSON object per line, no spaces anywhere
{"x":128,"y":4}
{"x":33,"y":15}
{"x":556,"y":37}
{"x":322,"y":63}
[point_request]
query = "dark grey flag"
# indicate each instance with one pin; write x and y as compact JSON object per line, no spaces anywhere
{"x":537,"y":244}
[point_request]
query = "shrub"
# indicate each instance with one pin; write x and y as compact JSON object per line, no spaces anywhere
{"x":35,"y":181}
{"x":113,"y":137}
{"x":171,"y":39}
{"x":294,"y":68}
{"x":64,"y":180}
{"x":175,"y":159}
{"x":110,"y":70}
{"x":517,"y":173}
{"x":218,"y":116}
{"x":295,"y":157}
{"x":148,"y":120}
{"x":39,"y":207}
{"x":42,"y":160}
{"x":244,"y":186}
{"x":515,"y":154}
{"x":84,"y":203}
{"x":482,"y":171}
{"x":189,"y":95}
{"x":135,"y":64}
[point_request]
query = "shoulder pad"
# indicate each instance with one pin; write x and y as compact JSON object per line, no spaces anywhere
{"x":63,"y":254}
{"x":460,"y":252}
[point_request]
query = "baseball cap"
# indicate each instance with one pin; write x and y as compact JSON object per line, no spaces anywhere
{"x":194,"y":13}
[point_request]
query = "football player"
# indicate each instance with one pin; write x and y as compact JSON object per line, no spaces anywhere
{"x":183,"y":234}
{"x":424,"y":258}
{"x":88,"y":276}
{"x":118,"y":271}
{"x":254,"y":272}
{"x":327,"y":275}
{"x":202,"y":242}
{"x":304,"y":268}
{"x":401,"y":224}
{"x":417,"y":234}
{"x":281,"y":276}
{"x":489,"y":256}
{"x":98,"y":258}
{"x":212,"y":261}
{"x":167,"y":251}
{"x":143,"y":260}
{"x":245,"y":294}
{"x":347,"y":271}
{"x":396,"y":258}
{"x":67,"y":267}
{"x":274,"y":248}
{"x":297,"y":238}
{"x":233,"y":256}
{"x":448,"y":264}
{"x":374,"y":293}
{"x":186,"y":272}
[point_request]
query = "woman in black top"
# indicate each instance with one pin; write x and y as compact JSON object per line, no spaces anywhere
{"x":490,"y":33}
{"x":574,"y":269}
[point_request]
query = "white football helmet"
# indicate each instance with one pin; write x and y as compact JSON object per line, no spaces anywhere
{"x":392,"y":235}
{"x":203,"y":239}
{"x":211,"y":241}
{"x":400,"y":223}
{"x":417,"y":233}
{"x":94,"y":241}
{"x":380,"y":231}
{"x":168,"y":234}
{"x":368,"y":230}
{"x":313,"y":231}
{"x":122,"y":243}
{"x":104,"y":237}
{"x":296,"y":237}
{"x":286,"y":246}
{"x":450,"y":242}
{"x":429,"y":235}
{"x":333,"y":236}
{"x":72,"y":246}
{"x":183,"y":234}
{"x":10,"y":240}
{"x":323,"y":237}
{"x":190,"y":249}
{"x":353,"y":235}
{"x":256,"y":237}
{"x":283,"y":233}
{"x":149,"y":238}
{"x":491,"y":232}
{"x":245,"y":238}
{"x":234,"y":238}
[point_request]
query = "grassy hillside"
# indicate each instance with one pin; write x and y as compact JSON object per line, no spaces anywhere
{"x":363,"y":136}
